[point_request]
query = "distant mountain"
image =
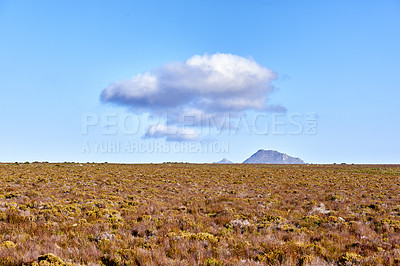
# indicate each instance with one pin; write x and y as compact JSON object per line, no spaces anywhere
{"x":226,"y":161}
{"x":273,"y":157}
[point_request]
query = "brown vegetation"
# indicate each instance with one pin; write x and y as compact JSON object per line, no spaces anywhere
{"x":180,"y":214}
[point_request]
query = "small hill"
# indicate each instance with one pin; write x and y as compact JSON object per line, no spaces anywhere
{"x":226,"y":161}
{"x":272,"y":157}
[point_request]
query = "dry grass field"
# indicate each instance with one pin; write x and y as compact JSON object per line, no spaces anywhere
{"x":186,"y":214}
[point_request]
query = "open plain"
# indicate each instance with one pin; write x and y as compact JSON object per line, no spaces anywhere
{"x":199,"y":214}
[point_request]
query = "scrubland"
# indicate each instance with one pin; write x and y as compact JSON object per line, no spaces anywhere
{"x":187,"y":214}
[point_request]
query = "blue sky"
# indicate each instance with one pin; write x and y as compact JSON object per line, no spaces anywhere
{"x":337,"y":62}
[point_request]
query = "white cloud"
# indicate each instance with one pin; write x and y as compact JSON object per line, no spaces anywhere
{"x":204,"y":86}
{"x":172,"y":133}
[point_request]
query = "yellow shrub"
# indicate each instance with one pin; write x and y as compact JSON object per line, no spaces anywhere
{"x":8,"y":244}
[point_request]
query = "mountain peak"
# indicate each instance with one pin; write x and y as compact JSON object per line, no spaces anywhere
{"x":224,"y":160}
{"x":272,"y":157}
